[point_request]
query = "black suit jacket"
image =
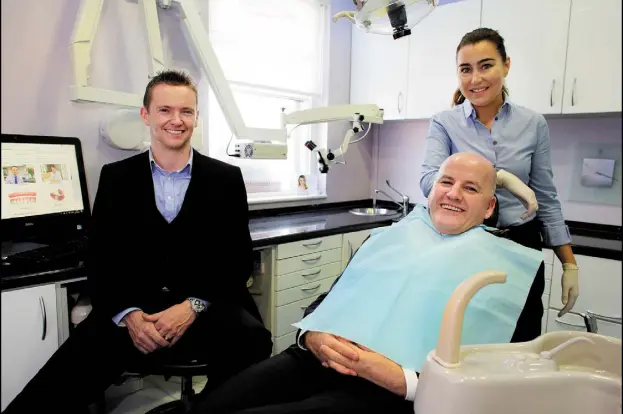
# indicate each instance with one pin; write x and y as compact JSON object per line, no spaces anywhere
{"x":137,"y":259}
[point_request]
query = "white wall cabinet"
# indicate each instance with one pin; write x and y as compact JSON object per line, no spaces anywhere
{"x":593,"y":73}
{"x":29,"y":336}
{"x":570,"y":59}
{"x":537,"y":72}
{"x":565,"y":57}
{"x":379,"y":67}
{"x":432,"y":57}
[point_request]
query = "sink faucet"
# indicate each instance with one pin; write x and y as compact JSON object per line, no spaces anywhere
{"x":404,"y":205}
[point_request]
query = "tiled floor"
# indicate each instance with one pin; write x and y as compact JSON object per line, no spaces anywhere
{"x":155,"y":391}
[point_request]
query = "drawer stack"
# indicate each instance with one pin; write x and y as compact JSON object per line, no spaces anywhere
{"x":304,"y":270}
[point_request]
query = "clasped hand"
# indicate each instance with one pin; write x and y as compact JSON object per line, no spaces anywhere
{"x":159,"y":330}
{"x":349,"y":358}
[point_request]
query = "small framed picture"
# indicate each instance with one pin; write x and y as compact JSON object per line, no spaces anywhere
{"x":302,"y":187}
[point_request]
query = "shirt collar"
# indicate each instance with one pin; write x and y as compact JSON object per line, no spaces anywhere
{"x":154,"y":165}
{"x":470,"y":112}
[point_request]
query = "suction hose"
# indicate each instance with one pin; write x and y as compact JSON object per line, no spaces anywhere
{"x":449,"y":343}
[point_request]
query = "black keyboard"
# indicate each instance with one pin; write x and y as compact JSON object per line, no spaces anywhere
{"x":53,"y":253}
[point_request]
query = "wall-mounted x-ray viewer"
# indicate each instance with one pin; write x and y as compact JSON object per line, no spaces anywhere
{"x":597,"y":172}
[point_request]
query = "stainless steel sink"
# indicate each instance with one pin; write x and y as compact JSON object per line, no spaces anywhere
{"x":369,"y":211}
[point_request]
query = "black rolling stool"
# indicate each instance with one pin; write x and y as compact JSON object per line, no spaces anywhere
{"x":185,"y":370}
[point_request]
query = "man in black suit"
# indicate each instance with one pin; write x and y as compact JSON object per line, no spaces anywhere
{"x":168,"y":267}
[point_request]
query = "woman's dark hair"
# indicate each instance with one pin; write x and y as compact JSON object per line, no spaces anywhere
{"x":476,"y":36}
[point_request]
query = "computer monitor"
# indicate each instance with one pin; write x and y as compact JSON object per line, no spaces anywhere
{"x":44,"y":192}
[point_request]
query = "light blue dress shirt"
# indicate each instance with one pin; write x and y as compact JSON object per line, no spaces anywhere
{"x":518,"y":142}
{"x":170,"y":189}
{"x":14,"y":179}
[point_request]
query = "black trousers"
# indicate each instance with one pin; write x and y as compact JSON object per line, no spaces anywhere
{"x":529,"y":324}
{"x":98,"y":352}
{"x":294,"y":382}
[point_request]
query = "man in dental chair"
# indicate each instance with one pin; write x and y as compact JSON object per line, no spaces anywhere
{"x":326,"y":373}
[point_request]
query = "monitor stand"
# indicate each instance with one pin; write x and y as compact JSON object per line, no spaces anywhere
{"x":10,"y":248}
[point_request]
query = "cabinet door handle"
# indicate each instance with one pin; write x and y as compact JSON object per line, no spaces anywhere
{"x":399,"y":101}
{"x":317,"y":272}
{"x":551,"y":93}
{"x":318,"y":243}
{"x":350,"y":251}
{"x":612,"y":319}
{"x":45,"y":318}
{"x":310,"y":289}
{"x":315,"y":259}
{"x":573,"y":92}
{"x":303,"y":307}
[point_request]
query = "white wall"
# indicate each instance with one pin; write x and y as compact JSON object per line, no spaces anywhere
{"x":401,"y":147}
{"x":36,"y":75}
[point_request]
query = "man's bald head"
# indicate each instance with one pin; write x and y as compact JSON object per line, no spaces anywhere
{"x":476,"y":162}
{"x":463,"y":193}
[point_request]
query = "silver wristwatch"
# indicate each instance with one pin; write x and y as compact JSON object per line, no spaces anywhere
{"x":197,"y":305}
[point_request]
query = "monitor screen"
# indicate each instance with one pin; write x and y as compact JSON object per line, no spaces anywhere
{"x":40,"y":179}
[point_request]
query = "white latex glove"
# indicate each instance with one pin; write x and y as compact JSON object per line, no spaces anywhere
{"x":570,"y":287}
{"x":519,"y":190}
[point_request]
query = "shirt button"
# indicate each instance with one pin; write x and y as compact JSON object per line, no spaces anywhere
{"x":169,"y":197}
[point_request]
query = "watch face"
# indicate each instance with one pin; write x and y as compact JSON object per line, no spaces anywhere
{"x":198,"y":306}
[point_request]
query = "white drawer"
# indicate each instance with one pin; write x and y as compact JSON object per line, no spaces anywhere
{"x":548,"y":270}
{"x":567,"y":322}
{"x":609,"y":329}
{"x":574,"y":322}
{"x":547,"y":289}
{"x":286,"y":315}
{"x":301,"y":292}
{"x":298,"y":248}
{"x":600,"y":286}
{"x":548,"y":256}
{"x":283,"y":342}
{"x":545,"y":299}
{"x":308,"y":261}
{"x":302,"y":277}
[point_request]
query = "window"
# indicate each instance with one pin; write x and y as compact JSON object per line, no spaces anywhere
{"x":272,"y":53}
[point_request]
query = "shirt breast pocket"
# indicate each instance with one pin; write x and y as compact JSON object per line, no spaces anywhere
{"x":520,"y":165}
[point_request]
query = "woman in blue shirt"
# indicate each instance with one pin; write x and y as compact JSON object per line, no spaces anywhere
{"x":515,"y":139}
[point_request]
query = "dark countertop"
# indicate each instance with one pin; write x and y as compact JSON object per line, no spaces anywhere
{"x":270,"y":227}
{"x":13,"y":280}
{"x":596,"y":247}
{"x":268,"y":231}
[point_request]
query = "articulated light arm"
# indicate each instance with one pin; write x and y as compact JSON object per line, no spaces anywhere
{"x":82,"y":40}
{"x":249,"y":142}
{"x":198,"y":35}
{"x":260,"y":142}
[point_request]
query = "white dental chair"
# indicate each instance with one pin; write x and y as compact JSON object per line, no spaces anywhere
{"x":558,"y":372}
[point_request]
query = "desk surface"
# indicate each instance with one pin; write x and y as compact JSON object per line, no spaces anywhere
{"x":14,"y":280}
